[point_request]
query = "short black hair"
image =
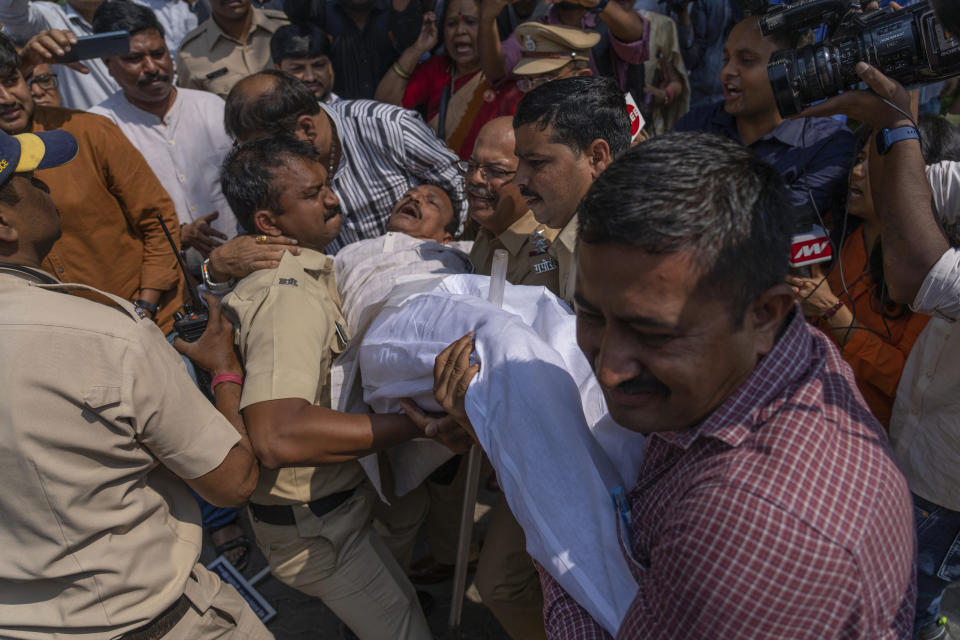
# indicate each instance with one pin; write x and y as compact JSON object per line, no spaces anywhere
{"x":273,"y":112}
{"x":580,"y":110}
{"x":9,"y":58}
{"x":299,"y":41}
{"x":702,"y":193}
{"x":246,"y":176}
{"x":123,"y":15}
{"x":939,"y":139}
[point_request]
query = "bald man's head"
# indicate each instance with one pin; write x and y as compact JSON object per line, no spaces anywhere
{"x":494,"y":202}
{"x":268,"y":103}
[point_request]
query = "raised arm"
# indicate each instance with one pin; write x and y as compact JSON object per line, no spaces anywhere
{"x":488,"y":36}
{"x":395,"y":81}
{"x":912,"y":239}
{"x":22,"y":19}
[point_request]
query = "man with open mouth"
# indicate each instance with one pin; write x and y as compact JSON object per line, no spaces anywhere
{"x":312,"y":510}
{"x":812,"y":154}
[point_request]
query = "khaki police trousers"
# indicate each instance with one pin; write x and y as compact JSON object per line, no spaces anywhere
{"x":507,"y":579}
{"x":340,"y":559}
{"x":217,"y":612}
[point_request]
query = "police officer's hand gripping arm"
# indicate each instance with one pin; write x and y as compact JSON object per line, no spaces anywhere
{"x":231,"y":483}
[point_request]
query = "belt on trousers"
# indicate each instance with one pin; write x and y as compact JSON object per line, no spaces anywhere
{"x":163,"y":623}
{"x":282,"y":514}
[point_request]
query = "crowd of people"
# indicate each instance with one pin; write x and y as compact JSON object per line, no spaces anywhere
{"x":314,"y":165}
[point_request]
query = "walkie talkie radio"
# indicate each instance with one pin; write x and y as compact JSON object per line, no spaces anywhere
{"x":192,"y":321}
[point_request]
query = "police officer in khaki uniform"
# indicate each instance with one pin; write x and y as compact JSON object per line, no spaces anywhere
{"x":231,"y":44}
{"x":502,"y":213}
{"x":567,"y":132}
{"x":100,"y":536}
{"x":506,"y":577}
{"x":552,"y":52}
{"x":505,"y":223}
{"x":312,"y":509}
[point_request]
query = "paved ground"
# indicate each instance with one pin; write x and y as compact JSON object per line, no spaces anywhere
{"x":300,"y":617}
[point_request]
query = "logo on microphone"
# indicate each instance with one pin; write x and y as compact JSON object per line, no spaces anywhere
{"x":810,"y":248}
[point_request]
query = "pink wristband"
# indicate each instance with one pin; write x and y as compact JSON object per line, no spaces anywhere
{"x":225,"y":377}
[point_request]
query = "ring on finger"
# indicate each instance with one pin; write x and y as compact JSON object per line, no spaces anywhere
{"x":261,"y":239}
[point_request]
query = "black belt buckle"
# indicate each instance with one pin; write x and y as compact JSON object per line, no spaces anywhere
{"x":282,"y":515}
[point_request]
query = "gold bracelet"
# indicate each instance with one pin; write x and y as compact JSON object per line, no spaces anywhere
{"x":397,"y":69}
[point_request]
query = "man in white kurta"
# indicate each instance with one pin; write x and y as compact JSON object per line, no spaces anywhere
{"x":179,"y":131}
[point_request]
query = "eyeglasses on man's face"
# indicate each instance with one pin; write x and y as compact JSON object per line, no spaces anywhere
{"x":487,"y":171}
{"x":46,"y":81}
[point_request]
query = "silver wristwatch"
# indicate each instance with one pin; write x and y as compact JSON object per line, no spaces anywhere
{"x":213,"y":287}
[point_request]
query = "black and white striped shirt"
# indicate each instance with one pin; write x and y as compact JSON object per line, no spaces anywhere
{"x":385,"y":151}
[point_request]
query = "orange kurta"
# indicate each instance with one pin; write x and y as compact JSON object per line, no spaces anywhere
{"x":108,"y":198}
{"x":877,"y":349}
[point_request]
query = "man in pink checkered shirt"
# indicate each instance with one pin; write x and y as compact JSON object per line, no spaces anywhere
{"x":767,"y":504}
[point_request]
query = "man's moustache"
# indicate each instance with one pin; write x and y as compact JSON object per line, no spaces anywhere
{"x":161,"y":77}
{"x":413,"y":203}
{"x":527,"y":193}
{"x":480,"y":192}
{"x":332,"y":213}
{"x":643,"y":385}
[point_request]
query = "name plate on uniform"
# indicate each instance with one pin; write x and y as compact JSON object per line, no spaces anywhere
{"x":228,"y":573}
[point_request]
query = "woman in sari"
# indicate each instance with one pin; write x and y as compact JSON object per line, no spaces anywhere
{"x":449,"y":89}
{"x":851,"y":303}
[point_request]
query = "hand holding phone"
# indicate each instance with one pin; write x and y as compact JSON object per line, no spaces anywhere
{"x":100,"y":45}
{"x":58,"y":46}
{"x":45,"y":47}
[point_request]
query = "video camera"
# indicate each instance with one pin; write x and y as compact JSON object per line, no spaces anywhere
{"x":910,"y":46}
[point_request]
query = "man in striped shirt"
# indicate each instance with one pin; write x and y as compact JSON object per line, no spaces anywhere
{"x":375,"y":151}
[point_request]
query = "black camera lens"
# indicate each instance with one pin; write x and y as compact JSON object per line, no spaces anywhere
{"x":800,"y":77}
{"x":908,"y":46}
{"x":785,"y":82}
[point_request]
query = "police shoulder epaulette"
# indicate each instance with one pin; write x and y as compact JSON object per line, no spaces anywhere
{"x":195,"y":33}
{"x":275,"y":14}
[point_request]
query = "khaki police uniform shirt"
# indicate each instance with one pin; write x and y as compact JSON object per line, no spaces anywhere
{"x":210,"y":60}
{"x":562,"y":250}
{"x":98,"y":414}
{"x":527,"y":241}
{"x":291,"y":330}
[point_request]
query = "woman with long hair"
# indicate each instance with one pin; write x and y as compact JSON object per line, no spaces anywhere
{"x":851,"y":303}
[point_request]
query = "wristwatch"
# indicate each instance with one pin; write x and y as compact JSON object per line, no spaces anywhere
{"x":886,"y":138}
{"x":149,"y":307}
{"x":213,"y":287}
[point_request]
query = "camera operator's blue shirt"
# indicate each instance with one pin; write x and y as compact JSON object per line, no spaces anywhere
{"x":814,"y":155}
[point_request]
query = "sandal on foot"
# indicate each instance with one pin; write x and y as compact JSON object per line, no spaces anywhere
{"x":238,"y":560}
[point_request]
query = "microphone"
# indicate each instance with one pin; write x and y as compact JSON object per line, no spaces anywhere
{"x":809,"y":245}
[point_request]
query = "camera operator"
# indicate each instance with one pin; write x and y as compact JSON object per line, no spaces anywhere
{"x":813,"y":154}
{"x":924,"y":271}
